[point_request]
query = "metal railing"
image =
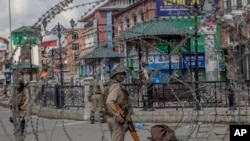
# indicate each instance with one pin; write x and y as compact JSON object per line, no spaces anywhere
{"x":71,"y":96}
{"x":167,"y":95}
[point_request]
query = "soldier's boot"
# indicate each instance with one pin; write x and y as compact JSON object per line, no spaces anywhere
{"x":11,"y":120}
{"x":102,"y":118}
{"x":22,"y":125}
{"x":92,"y":117}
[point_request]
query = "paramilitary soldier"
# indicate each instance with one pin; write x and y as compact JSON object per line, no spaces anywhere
{"x":146,"y":81}
{"x":95,"y":97}
{"x":18,"y":103}
{"x":117,"y":94}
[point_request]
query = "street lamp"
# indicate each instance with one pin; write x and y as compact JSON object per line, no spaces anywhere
{"x":59,"y":30}
{"x":196,"y":75}
{"x":72,"y":23}
{"x":30,"y":40}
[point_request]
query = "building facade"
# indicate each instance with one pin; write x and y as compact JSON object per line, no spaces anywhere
{"x":4,"y":58}
{"x":74,"y":49}
{"x":98,"y":31}
{"x":235,"y":27}
{"x":131,"y":14}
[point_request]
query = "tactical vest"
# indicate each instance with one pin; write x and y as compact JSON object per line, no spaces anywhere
{"x":123,"y":104}
{"x":21,"y":98}
{"x":94,"y":84}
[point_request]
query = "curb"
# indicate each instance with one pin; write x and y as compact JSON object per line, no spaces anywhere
{"x":158,"y":116}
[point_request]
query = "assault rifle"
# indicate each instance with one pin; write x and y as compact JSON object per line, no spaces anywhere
{"x":130,"y":123}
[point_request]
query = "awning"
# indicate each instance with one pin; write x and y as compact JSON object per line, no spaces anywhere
{"x":25,"y":65}
{"x":102,"y":52}
{"x":158,"y":26}
{"x":7,"y":71}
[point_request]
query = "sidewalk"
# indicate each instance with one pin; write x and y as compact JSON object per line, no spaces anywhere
{"x":168,"y":115}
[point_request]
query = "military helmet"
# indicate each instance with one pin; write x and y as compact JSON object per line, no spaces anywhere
{"x":119,"y":68}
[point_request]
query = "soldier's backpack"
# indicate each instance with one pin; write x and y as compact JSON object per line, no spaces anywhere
{"x":162,"y":133}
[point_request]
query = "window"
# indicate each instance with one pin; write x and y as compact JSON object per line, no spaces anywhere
{"x":235,"y":4}
{"x":75,"y":36}
{"x":75,"y":57}
{"x":75,"y":46}
{"x":119,"y":27}
{"x":142,"y":16}
{"x":239,"y":4}
{"x":127,"y":21}
{"x":135,"y":19}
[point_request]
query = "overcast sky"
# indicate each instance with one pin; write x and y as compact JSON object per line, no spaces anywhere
{"x":27,"y":12}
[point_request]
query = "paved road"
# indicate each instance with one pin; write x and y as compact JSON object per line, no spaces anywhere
{"x":70,"y":130}
{"x":53,"y":130}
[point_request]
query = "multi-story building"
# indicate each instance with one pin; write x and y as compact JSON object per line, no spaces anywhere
{"x":98,"y":28}
{"x":4,"y":57}
{"x":74,"y":49}
{"x":155,"y":29}
{"x":51,"y":61}
{"x":235,"y":27}
{"x":130,"y":15}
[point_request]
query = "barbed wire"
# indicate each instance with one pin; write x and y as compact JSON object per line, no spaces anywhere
{"x":193,"y":116}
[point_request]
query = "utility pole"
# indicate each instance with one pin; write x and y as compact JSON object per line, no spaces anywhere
{"x":197,"y":93}
{"x":10,"y":24}
{"x":31,"y":71}
{"x":59,"y":30}
{"x":52,"y":52}
{"x":10,"y":43}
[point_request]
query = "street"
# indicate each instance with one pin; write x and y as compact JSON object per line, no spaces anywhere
{"x":53,"y":130}
{"x":42,"y":129}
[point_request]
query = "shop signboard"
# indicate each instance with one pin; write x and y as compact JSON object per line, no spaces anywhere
{"x":159,"y":77}
{"x":161,"y":62}
{"x":167,"y":8}
{"x":25,"y":35}
{"x":3,"y":46}
{"x":189,"y":60}
{"x":176,"y":8}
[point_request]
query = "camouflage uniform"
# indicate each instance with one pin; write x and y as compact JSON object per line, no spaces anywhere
{"x":148,"y":85}
{"x":117,"y":93}
{"x":95,"y":97}
{"x":17,"y":100}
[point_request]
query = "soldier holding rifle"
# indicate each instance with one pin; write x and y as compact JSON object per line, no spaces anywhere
{"x":18,"y":102}
{"x":148,"y":86}
{"x":118,"y":106}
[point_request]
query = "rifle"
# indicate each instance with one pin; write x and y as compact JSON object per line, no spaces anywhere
{"x":130,"y":123}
